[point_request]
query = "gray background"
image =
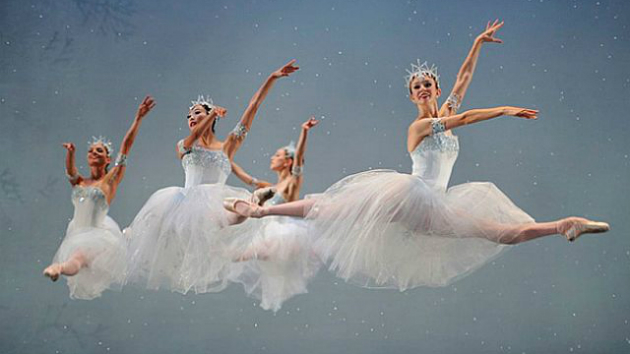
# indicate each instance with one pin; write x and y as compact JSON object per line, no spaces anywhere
{"x":70,"y":69}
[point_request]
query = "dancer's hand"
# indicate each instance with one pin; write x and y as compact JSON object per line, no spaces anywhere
{"x":69,"y":146}
{"x":311,"y":122}
{"x":145,"y":107}
{"x":520,"y":112}
{"x":220,"y":111}
{"x":488,"y":34}
{"x":286,"y":70}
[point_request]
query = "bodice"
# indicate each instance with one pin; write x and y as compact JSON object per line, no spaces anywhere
{"x":204,"y":166}
{"x":434,"y":157}
{"x":277,"y":199}
{"x":90,"y":206}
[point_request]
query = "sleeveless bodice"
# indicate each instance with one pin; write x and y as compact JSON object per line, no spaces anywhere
{"x":90,"y":206}
{"x":433,"y":159}
{"x":204,"y":166}
{"x":277,"y":199}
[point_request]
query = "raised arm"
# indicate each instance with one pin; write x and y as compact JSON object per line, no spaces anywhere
{"x":301,"y":146}
{"x":117,"y":172}
{"x":71,"y":170}
{"x":425,"y":127}
{"x":247,"y":178}
{"x":465,"y":74}
{"x":236,"y":137}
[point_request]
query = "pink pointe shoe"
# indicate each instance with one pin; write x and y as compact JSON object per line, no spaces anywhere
{"x":246,"y":209}
{"x":574,"y":227}
{"x":53,"y":271}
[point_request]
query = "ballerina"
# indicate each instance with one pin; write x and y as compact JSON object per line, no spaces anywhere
{"x":176,"y":238}
{"x":93,"y":253}
{"x":387,"y":229}
{"x":279,"y":258}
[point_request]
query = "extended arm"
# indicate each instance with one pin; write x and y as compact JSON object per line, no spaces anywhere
{"x":301,"y":145}
{"x":425,"y":127}
{"x":235,"y":139}
{"x":118,"y":171}
{"x":465,"y":74}
{"x":247,"y":178}
{"x":71,"y":170}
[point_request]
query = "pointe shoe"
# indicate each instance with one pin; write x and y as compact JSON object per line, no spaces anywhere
{"x":251,"y":211}
{"x":575,"y":227}
{"x":260,"y":196}
{"x":53,"y":271}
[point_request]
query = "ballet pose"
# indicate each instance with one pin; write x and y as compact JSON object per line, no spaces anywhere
{"x":278,"y":255}
{"x":175,"y":240}
{"x":93,"y":253}
{"x":387,"y":229}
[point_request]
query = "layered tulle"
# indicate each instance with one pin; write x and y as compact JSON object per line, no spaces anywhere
{"x":386,"y":229}
{"x":104,"y":250}
{"x":278,"y":260}
{"x":177,"y":240}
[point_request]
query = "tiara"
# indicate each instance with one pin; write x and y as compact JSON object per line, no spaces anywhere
{"x":422,"y":69}
{"x":290,"y":149}
{"x":204,"y":101}
{"x":102,"y":140}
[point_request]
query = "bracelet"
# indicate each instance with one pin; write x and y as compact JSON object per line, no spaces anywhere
{"x":239,"y":131}
{"x":297,"y":170}
{"x":254,"y":182}
{"x":121,"y":160}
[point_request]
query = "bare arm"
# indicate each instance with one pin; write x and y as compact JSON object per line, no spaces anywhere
{"x":425,"y":127}
{"x":71,"y":170}
{"x":235,"y":139}
{"x":118,"y":171}
{"x":465,"y":74}
{"x":246,"y":178}
{"x":301,"y":145}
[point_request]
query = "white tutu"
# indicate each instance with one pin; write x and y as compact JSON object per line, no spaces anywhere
{"x":98,"y":239}
{"x":387,"y":229}
{"x":278,"y":260}
{"x":177,"y":239}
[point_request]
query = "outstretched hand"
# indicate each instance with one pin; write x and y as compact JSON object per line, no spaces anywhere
{"x":145,"y":107}
{"x":311,"y":122}
{"x":488,"y":34}
{"x":220,"y":111}
{"x":69,"y":146}
{"x":286,"y":70}
{"x":521,"y":112}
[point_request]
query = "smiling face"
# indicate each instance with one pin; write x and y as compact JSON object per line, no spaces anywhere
{"x":98,"y":155}
{"x":424,"y":90}
{"x":195,"y":115}
{"x":280,"y":160}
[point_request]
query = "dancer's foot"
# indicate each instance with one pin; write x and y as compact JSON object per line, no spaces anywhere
{"x":243,"y":207}
{"x":260,"y":196}
{"x":574,"y":227}
{"x":53,"y":271}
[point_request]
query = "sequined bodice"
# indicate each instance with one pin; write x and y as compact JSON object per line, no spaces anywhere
{"x":90,"y":206}
{"x":204,"y":166}
{"x":433,"y":159}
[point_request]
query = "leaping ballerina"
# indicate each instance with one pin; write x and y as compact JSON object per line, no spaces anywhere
{"x":93,"y":253}
{"x":388,"y":229}
{"x":176,"y":238}
{"x":278,"y":255}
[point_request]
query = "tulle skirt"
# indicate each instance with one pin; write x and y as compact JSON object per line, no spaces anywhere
{"x":104,"y":250}
{"x":177,"y":240}
{"x":278,"y":260}
{"x":387,"y":229}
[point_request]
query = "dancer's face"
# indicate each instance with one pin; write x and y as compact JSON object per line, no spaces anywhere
{"x":280,"y":160}
{"x":195,"y":115}
{"x":98,"y":155}
{"x":424,"y":90}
